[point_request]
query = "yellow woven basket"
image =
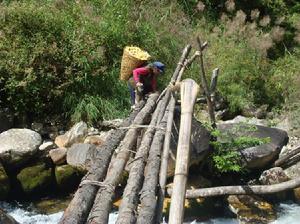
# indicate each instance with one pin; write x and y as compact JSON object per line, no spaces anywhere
{"x":132,"y":58}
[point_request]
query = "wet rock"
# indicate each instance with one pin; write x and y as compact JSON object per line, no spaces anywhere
{"x":80,"y":155}
{"x":18,"y":146}
{"x":6,"y":218}
{"x":4,"y":184}
{"x":76,"y":134}
{"x":52,"y":205}
{"x":251,"y":209}
{"x":67,"y":177}
{"x":258,"y":156}
{"x":58,"y":155}
{"x":35,"y":179}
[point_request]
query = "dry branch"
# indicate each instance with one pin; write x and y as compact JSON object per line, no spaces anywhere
{"x":102,"y":204}
{"x":239,"y":190}
{"x":205,"y":86}
{"x":82,"y":202}
{"x":188,"y":90}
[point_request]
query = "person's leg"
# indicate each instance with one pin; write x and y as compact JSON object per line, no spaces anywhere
{"x":132,"y":94}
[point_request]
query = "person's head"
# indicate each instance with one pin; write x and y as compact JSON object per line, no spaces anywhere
{"x":158,"y":67}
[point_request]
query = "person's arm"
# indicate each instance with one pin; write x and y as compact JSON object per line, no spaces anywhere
{"x":138,"y":72}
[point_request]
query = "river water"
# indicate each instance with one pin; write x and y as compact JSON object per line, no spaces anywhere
{"x":288,"y":213}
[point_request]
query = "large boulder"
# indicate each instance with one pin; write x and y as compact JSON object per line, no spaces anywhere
{"x":76,"y":134}
{"x":251,"y":209}
{"x":18,"y":145}
{"x":4,"y":183}
{"x":35,"y":179}
{"x":261,"y":155}
{"x":200,"y":138}
{"x":67,"y":177}
{"x":80,"y":155}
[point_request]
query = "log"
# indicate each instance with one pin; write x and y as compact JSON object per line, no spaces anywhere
{"x":214,"y":80}
{"x":189,"y":61}
{"x":146,"y":213}
{"x":291,"y":161}
{"x":205,"y":87}
{"x":241,"y":190}
{"x":164,"y":162}
{"x":180,"y":64}
{"x":130,"y":198}
{"x":101,"y":208}
{"x":82,"y":202}
{"x":179,"y":67}
{"x":188,"y":90}
{"x":284,"y":159}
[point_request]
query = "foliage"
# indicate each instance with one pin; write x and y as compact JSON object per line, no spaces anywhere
{"x":226,"y":155}
{"x":63,"y":57}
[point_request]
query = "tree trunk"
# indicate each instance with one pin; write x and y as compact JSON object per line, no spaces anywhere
{"x":148,"y":193}
{"x":102,"y":204}
{"x":164,"y":162}
{"x":188,"y":90}
{"x":127,"y":209}
{"x":284,"y":159}
{"x":239,"y":190}
{"x":82,"y":202}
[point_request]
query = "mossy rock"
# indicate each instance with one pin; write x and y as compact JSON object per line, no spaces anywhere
{"x":4,"y":183}
{"x":35,"y":179}
{"x":67,"y":177}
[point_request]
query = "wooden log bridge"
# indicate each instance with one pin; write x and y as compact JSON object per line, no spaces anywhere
{"x":145,"y":138}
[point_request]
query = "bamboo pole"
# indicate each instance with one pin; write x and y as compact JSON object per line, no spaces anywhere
{"x":205,"y":86}
{"x":100,"y":210}
{"x":241,"y":190}
{"x":127,"y":209}
{"x":188,"y":90}
{"x":82,"y":202}
{"x":146,"y":213}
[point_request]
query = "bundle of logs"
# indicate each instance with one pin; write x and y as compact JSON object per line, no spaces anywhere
{"x":143,"y":196}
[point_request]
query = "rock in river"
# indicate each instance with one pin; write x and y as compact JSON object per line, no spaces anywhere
{"x":261,"y":155}
{"x":36,"y":178}
{"x":18,"y":145}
